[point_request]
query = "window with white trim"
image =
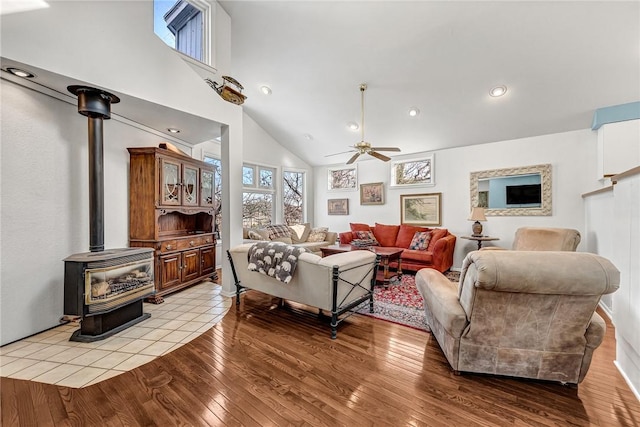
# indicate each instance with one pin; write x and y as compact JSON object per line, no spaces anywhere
{"x":293,"y":197}
{"x":184,"y":25}
{"x":217,"y":189}
{"x":258,"y":208}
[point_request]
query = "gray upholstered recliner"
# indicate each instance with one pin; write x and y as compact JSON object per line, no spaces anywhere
{"x":546,"y":239}
{"x":520,"y":313}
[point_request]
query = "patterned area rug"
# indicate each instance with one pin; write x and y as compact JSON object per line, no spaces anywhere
{"x":401,"y":303}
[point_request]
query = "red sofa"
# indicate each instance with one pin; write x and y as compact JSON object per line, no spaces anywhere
{"x":438,"y":255}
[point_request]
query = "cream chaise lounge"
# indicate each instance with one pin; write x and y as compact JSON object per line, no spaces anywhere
{"x":520,"y":313}
{"x":336,"y":283}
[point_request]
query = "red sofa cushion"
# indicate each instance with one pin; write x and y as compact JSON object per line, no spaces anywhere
{"x":405,"y":235}
{"x":356,"y":226}
{"x":386,"y":234}
{"x":420,"y":256}
{"x":436,"y":234}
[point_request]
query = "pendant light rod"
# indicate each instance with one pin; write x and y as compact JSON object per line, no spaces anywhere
{"x":363,"y":87}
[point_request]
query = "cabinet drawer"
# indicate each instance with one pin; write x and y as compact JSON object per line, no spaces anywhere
{"x":168,"y":246}
{"x":194,"y":242}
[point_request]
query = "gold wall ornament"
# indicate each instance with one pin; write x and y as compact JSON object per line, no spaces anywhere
{"x":226,"y":91}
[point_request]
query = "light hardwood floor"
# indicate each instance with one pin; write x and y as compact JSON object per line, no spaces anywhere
{"x":268,"y":366}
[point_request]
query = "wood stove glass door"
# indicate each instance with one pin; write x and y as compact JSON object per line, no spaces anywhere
{"x":170,"y":182}
{"x":190,"y":185}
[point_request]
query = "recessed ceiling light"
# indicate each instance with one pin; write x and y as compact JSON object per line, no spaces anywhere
{"x":20,"y":73}
{"x":413,"y":111}
{"x":498,"y":91}
{"x":308,"y":137}
{"x":265,"y":89}
{"x":173,"y":130}
{"x":353,"y":126}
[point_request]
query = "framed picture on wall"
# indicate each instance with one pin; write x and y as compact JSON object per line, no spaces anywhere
{"x":338,"y":207}
{"x":345,"y":178}
{"x":413,"y":172}
{"x":420,"y":209}
{"x":372,"y":194}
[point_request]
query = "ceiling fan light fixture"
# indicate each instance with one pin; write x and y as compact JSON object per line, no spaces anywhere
{"x":498,"y":91}
{"x":173,"y":130}
{"x":353,"y":126}
{"x":413,"y":111}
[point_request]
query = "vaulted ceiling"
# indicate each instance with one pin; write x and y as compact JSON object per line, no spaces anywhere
{"x":559,"y":61}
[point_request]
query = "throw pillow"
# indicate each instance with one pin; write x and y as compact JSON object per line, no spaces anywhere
{"x":300,"y":232}
{"x":386,"y":234}
{"x":256,"y":234}
{"x":366,"y":235}
{"x":359,"y":227}
{"x":420,"y":241}
{"x":318,"y":234}
{"x":279,"y":230}
{"x":406,"y":233}
{"x":436,"y":234}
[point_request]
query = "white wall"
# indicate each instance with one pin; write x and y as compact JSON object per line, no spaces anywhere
{"x":571,"y":154}
{"x":598,"y":235}
{"x":626,"y":256}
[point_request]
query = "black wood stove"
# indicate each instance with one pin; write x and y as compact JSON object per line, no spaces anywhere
{"x":105,"y":288}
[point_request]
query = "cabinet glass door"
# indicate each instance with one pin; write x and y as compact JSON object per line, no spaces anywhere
{"x":190,"y":185}
{"x":170,"y":181}
{"x":206,"y":192}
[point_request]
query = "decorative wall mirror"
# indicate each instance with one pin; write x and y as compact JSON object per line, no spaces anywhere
{"x":523,"y":191}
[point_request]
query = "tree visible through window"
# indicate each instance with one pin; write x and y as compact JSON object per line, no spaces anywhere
{"x":217,"y":190}
{"x":257,"y":209}
{"x":293,"y":196}
{"x":257,"y":199}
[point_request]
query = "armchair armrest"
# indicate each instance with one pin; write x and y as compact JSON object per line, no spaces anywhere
{"x":346,"y":237}
{"x":443,"y":252}
{"x":441,"y":299}
{"x":331,"y":237}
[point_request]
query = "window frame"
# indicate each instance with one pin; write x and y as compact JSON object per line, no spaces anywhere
{"x":304,"y":192}
{"x":207,"y":12}
{"x":257,"y":188}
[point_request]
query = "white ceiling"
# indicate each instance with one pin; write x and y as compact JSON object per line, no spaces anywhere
{"x":560,"y":61}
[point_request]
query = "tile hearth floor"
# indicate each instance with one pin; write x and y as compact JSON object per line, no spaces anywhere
{"x":49,"y":357}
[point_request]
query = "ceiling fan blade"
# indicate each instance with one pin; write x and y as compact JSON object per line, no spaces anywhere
{"x":385,"y":148}
{"x":379,"y":156}
{"x":342,"y":152}
{"x":353,"y":158}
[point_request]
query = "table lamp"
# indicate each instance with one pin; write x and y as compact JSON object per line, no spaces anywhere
{"x":477,"y":215}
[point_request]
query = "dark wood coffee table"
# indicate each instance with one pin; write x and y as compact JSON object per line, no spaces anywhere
{"x":386,"y":255}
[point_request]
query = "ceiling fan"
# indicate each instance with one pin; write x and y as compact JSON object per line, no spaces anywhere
{"x":364,"y":147}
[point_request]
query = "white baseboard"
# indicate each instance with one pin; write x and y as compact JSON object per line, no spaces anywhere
{"x":627,"y":380}
{"x":606,"y":311}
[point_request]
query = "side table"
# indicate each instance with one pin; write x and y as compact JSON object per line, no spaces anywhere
{"x":480,"y":239}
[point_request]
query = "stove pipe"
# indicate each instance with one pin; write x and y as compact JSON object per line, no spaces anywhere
{"x":96,"y":105}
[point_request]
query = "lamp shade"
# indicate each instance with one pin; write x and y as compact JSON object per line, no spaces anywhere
{"x":477,"y":214}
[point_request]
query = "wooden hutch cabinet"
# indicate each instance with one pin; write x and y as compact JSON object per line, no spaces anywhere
{"x":171,"y":210}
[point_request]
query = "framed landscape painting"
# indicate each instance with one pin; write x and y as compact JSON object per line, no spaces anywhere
{"x":372,"y":194}
{"x":338,"y":206}
{"x":420,"y":209}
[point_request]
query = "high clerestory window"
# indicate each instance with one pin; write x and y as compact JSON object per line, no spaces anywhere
{"x":184,"y":25}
